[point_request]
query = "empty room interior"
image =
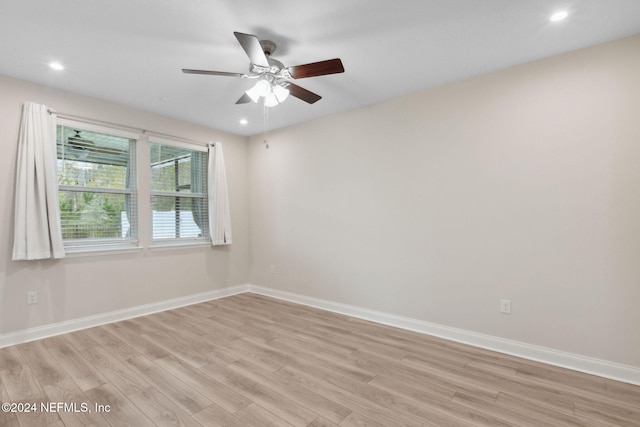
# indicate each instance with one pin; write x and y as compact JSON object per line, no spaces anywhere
{"x":363,"y":213}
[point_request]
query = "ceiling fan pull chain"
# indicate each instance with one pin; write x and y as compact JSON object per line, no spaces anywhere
{"x":265,"y":119}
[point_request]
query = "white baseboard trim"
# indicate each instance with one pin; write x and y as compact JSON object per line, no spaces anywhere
{"x":46,"y":331}
{"x":603,"y":368}
{"x":576,"y":362}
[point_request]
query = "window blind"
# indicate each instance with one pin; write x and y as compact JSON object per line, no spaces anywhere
{"x":97,"y":186}
{"x":178,"y":192}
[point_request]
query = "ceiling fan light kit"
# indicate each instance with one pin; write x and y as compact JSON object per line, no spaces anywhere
{"x":273,"y":94}
{"x":274,"y":79}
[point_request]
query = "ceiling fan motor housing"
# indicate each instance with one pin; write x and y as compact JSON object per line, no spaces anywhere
{"x":268,"y":47}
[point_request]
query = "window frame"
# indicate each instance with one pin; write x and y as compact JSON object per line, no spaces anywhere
{"x":72,"y":246}
{"x":167,"y":242}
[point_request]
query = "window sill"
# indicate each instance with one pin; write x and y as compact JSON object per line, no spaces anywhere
{"x":161,"y":246}
{"x":76,"y":251}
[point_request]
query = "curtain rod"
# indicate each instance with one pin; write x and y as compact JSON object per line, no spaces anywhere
{"x":125,"y":127}
{"x":177,"y":138}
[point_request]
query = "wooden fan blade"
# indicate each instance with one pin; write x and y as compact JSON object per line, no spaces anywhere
{"x":251,"y":46}
{"x":212,"y":73}
{"x":244,"y":99}
{"x":330,"y":66}
{"x":302,"y":93}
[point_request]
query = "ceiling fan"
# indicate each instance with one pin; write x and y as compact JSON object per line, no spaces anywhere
{"x":274,"y":79}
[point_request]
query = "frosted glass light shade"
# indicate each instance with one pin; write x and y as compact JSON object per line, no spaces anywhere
{"x":280,"y":93}
{"x":271,"y":100}
{"x":262,"y":88}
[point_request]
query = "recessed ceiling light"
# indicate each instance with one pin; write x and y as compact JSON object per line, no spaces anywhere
{"x":56,"y":66}
{"x":559,"y":16}
{"x":244,"y":121}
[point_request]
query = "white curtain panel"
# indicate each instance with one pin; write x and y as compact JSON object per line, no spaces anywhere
{"x":219,"y":216}
{"x":37,"y":231}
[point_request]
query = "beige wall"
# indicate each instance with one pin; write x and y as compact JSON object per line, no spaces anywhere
{"x":521,"y":184}
{"x":84,"y":286}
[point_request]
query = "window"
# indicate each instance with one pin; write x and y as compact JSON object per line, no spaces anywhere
{"x":97,"y":185}
{"x":100,"y":198}
{"x":178,"y":192}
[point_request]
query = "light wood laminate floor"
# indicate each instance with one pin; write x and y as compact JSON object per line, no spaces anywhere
{"x":249,"y":360}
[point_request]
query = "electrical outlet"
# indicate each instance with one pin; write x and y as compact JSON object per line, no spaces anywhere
{"x":505,"y":306}
{"x":273,"y":269}
{"x":32,"y":297}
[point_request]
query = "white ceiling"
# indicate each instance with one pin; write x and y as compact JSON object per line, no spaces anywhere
{"x":131,"y":51}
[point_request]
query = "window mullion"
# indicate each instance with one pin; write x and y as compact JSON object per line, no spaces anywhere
{"x":178,"y":194}
{"x":94,"y":190}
